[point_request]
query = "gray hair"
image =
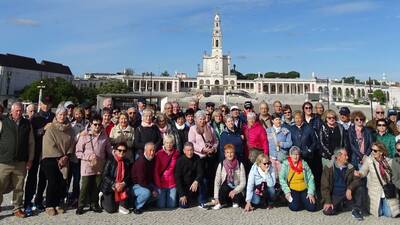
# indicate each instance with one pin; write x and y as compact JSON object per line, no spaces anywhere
{"x":148,"y":144}
{"x":227,"y":116}
{"x":15,"y":104}
{"x":338,"y":151}
{"x":251,"y":115}
{"x":294,"y":149}
{"x":169,"y":137}
{"x":147,"y":110}
{"x":188,"y":144}
{"x":30,"y":106}
{"x":61,"y":109}
{"x":200,"y":113}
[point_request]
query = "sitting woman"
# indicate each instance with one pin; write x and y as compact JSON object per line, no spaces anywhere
{"x":297,"y":182}
{"x":230,"y":180}
{"x":377,"y":168}
{"x":260,"y":185}
{"x":164,"y":179}
{"x":115,"y":181}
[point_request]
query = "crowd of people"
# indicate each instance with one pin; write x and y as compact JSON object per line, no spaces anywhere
{"x":127,"y":160}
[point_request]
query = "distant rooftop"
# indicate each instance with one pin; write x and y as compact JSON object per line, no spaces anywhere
{"x":22,"y":62}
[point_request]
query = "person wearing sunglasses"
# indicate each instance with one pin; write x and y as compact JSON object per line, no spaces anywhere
{"x":287,"y":118}
{"x":379,"y":114}
{"x":377,"y":168}
{"x":340,"y":189}
{"x":332,"y":135}
{"x":116,"y":178}
{"x":360,"y":139}
{"x":382,"y":135}
{"x":260,"y":185}
{"x":92,"y":150}
{"x":297,"y":182}
{"x":314,"y":120}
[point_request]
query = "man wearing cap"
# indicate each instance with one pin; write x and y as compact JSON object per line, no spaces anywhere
{"x":17,"y":153}
{"x":344,"y":117}
{"x":70,"y":107}
{"x":210,"y":107}
{"x":248,"y":107}
{"x":392,"y":120}
{"x":39,"y":121}
{"x":236,"y":117}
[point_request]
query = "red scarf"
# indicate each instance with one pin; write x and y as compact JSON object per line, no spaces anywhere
{"x":120,"y":196}
{"x":298,"y":169}
{"x":230,"y":167}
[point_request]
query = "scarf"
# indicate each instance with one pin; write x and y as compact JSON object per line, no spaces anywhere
{"x":146,"y":124}
{"x":206,"y":133}
{"x":163,"y":130}
{"x":120,"y":196}
{"x":230,"y":167}
{"x":179,"y":127}
{"x":360,"y":139}
{"x":385,"y":170}
{"x":299,"y":168}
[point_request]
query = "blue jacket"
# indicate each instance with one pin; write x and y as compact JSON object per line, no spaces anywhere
{"x":354,"y":148}
{"x":255,"y":179}
{"x":230,"y":137}
{"x":283,"y":136}
{"x":306,"y":139}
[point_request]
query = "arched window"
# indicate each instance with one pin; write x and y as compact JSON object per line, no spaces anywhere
{"x":216,"y":43}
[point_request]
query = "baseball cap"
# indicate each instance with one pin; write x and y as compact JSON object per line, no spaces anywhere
{"x":344,"y":111}
{"x":392,"y":112}
{"x":47,"y":100}
{"x":234,"y":107}
{"x":210,"y":104}
{"x":248,"y":105}
{"x":68,"y":103}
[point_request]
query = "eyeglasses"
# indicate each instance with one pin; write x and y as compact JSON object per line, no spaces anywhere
{"x":380,"y":112}
{"x":121,"y":150}
{"x":96,"y":124}
{"x":381,"y":125}
{"x":359,"y":119}
{"x":308,"y":107}
{"x":330,"y":118}
{"x":266,"y":163}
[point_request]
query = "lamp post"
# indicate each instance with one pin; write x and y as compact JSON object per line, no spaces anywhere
{"x":370,"y":95}
{"x":41,"y":87}
{"x":327,"y":88}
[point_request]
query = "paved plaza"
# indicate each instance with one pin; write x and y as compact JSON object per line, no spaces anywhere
{"x":228,"y":216}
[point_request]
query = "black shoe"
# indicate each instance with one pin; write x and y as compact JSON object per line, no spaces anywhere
{"x":96,"y":209}
{"x":79,"y":211}
{"x":357,"y":214}
{"x":137,"y":211}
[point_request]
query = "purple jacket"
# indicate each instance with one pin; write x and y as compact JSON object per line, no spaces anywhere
{"x":89,"y":145}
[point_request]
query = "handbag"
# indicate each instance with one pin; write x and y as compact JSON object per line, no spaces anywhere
{"x":389,"y":189}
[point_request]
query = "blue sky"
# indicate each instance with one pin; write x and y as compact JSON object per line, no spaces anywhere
{"x":332,"y":38}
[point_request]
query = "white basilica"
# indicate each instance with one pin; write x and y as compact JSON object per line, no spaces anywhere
{"x":214,"y":76}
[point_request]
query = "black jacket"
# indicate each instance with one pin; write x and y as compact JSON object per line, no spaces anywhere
{"x":186,"y":172}
{"x":305,"y":138}
{"x":110,"y":173}
{"x":354,"y":148}
{"x":325,"y":134}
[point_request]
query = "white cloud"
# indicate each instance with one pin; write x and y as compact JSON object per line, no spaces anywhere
{"x":349,"y":7}
{"x":25,"y":22}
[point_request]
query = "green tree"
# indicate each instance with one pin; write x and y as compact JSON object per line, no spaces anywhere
{"x":380,"y":96}
{"x":165,"y":74}
{"x":238,"y":74}
{"x":59,"y":88}
{"x":117,"y":87}
{"x":89,"y":94}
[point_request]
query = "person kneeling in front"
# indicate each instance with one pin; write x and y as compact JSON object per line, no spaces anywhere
{"x":261,"y":184}
{"x":340,"y":189}
{"x":188,"y":174}
{"x":230,"y":180}
{"x":297,"y":182}
{"x":115,"y":181}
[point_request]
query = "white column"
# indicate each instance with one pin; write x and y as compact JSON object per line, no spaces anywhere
{"x":269,"y":88}
{"x":283,"y":88}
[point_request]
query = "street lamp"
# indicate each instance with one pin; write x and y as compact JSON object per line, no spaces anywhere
{"x":41,"y":87}
{"x":370,"y":95}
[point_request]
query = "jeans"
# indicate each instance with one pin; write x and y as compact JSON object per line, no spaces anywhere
{"x":269,"y":196}
{"x":167,"y":198}
{"x":301,"y":202}
{"x":141,"y":194}
{"x":384,"y":209}
{"x":74,"y":173}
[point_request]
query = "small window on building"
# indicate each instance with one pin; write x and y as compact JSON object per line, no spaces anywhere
{"x":216,"y":43}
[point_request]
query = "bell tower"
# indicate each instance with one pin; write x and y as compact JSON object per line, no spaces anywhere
{"x":217,"y":37}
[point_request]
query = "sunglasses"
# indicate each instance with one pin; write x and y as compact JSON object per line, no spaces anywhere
{"x":380,"y":112}
{"x":121,"y":150}
{"x":359,"y":119}
{"x":96,"y":124}
{"x":307,"y":107}
{"x":331,"y":118}
{"x":130,"y":113}
{"x":375,"y":151}
{"x":381,"y":125}
{"x":267,"y":163}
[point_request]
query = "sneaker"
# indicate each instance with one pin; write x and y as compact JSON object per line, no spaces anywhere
{"x":60,"y":210}
{"x":28,"y":211}
{"x":137,"y":211}
{"x":51,"y":211}
{"x":203,"y":206}
{"x":357,"y":214}
{"x":235,"y":205}
{"x":123,"y":210}
{"x":217,"y":206}
{"x":19,"y":214}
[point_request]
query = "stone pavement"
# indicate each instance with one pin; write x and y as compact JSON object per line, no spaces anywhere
{"x":228,"y":216}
